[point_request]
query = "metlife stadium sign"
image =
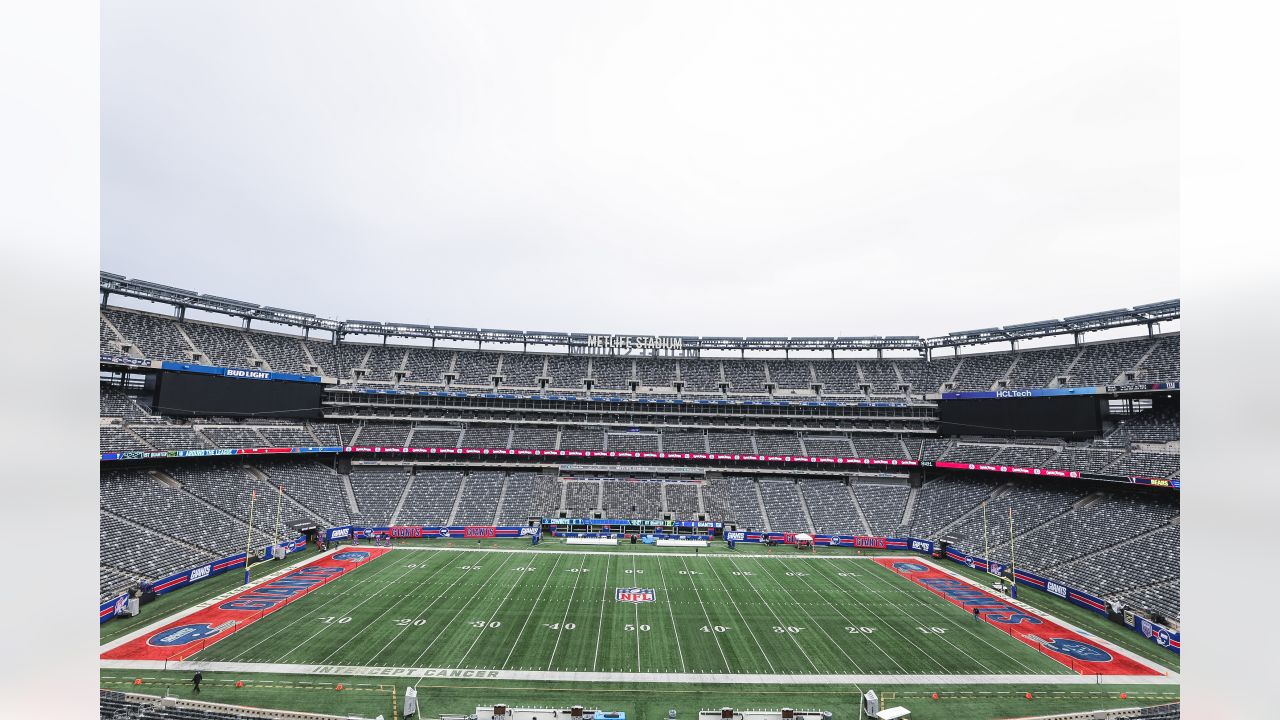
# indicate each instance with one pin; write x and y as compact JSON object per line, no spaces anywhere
{"x":633,"y":342}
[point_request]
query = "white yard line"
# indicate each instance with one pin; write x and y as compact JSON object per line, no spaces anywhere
{"x":516,"y":643}
{"x":961,"y":624}
{"x":462,"y":609}
{"x":769,"y":606}
{"x":709,"y":678}
{"x":728,"y":594}
{"x":853,"y":623}
{"x":604,"y":599}
{"x":812,"y":620}
{"x":932,"y":606}
{"x":567,"y":607}
{"x":698,"y":594}
{"x":675,"y":630}
{"x":438,"y":596}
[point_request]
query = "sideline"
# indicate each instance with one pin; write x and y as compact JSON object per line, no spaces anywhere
{"x":626,"y":677}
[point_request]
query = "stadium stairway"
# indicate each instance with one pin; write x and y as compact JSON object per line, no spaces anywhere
{"x":408,"y":486}
{"x":909,"y":509}
{"x":352,"y":508}
{"x":804,"y":506}
{"x":457,"y":499}
{"x":764,"y":513}
{"x":857,"y":508}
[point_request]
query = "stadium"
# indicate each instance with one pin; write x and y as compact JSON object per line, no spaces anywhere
{"x":347,"y":518}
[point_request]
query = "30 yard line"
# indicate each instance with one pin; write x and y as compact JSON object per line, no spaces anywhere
{"x":516,"y":643}
{"x":464,"y":607}
{"x":438,"y":597}
{"x":849,"y":620}
{"x":769,"y":606}
{"x":814,"y":621}
{"x":510,"y":589}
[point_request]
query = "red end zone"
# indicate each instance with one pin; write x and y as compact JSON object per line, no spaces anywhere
{"x":1066,"y":646}
{"x":192,"y":633}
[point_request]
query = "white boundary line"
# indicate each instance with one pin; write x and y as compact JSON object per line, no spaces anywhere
{"x":626,"y":677}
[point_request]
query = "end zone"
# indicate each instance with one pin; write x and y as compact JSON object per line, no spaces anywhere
{"x":200,"y":628}
{"x":1067,"y":646}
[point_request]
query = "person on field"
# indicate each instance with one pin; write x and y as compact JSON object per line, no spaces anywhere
{"x":976,"y":617}
{"x":195,"y":681}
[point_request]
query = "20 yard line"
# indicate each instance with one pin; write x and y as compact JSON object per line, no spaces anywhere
{"x":464,"y":607}
{"x":930,"y":603}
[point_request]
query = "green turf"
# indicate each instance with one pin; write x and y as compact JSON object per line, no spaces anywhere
{"x":556,"y":611}
{"x":368,"y":697}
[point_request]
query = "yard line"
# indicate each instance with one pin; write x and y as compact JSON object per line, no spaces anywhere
{"x":438,"y":597}
{"x":675,"y":630}
{"x":944,"y":638}
{"x":464,"y":607}
{"x":567,"y":607}
{"x":709,"y":623}
{"x":769,"y":606}
{"x":516,"y":643}
{"x":402,"y":598}
{"x":346,"y":612}
{"x":510,"y":589}
{"x":742,"y":617}
{"x":849,"y":620}
{"x":637,"y":607}
{"x":604,"y":599}
{"x":930,"y":602}
{"x":318,"y":592}
{"x":812,"y":619}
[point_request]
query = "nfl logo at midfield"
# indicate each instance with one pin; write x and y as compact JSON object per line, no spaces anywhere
{"x":635,"y":595}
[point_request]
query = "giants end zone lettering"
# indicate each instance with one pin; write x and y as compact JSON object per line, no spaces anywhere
{"x":277,"y":591}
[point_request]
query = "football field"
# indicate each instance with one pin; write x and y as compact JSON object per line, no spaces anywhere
{"x":681,"y":617}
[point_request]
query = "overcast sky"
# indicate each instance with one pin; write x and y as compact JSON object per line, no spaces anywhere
{"x":699,"y":168}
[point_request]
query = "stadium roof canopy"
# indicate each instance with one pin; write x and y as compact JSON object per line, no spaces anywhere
{"x":181,"y":300}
